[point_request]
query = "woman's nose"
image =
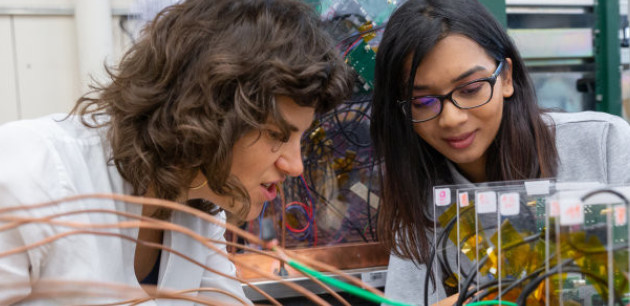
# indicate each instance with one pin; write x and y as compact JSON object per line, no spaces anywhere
{"x":290,"y":161}
{"x":451,"y":115}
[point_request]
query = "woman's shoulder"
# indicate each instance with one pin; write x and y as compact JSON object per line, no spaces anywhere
{"x":25,"y":159}
{"x":586,"y":126}
{"x":38,"y":138}
{"x":591,"y":146}
{"x":47,"y":152}
{"x":60,"y":127}
{"x":27,"y":127}
{"x":25,"y":140}
{"x":583,"y":118}
{"x":604,"y":126}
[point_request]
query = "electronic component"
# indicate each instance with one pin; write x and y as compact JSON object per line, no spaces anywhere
{"x":533,"y":246}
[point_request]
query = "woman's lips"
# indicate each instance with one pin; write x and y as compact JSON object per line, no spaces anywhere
{"x":462,"y":141}
{"x":270,"y":192}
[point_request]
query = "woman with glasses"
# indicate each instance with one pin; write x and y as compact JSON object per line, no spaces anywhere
{"x":453,"y":104}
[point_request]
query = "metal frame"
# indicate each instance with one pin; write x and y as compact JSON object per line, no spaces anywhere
{"x":498,"y":9}
{"x":606,"y":43}
{"x":607,"y":57}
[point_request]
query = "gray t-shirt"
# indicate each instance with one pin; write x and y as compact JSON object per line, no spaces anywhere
{"x":592,"y":146}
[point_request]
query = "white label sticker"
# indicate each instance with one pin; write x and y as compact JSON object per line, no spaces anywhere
{"x":554,"y":208}
{"x":571,"y":212}
{"x":463,"y":199}
{"x":509,"y":204}
{"x":442,"y":196}
{"x":537,"y":187}
{"x":374,"y":278}
{"x":621,"y":217}
{"x":362,"y":191}
{"x":486,"y":202}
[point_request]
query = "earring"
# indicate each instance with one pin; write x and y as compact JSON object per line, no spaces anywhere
{"x":199,"y":186}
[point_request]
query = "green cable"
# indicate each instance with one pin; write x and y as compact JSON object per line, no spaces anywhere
{"x":492,"y":302}
{"x":345,"y":286}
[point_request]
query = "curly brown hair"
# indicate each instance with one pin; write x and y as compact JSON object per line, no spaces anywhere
{"x":203,"y":74}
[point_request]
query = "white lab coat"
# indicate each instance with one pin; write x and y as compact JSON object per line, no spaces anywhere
{"x":47,"y":159}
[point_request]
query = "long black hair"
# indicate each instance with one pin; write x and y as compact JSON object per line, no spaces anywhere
{"x":523,"y":148}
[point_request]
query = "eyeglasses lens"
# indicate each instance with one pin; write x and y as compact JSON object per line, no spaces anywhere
{"x":473,"y":94}
{"x":468,"y":96}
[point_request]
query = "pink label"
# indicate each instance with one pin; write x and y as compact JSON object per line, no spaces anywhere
{"x":621,"y":217}
{"x":509,"y":204}
{"x":463,"y":199}
{"x":571,"y":212}
{"x":486,"y":202}
{"x":442,"y":196}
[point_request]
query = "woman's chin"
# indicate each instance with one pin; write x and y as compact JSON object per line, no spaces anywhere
{"x":253,"y":213}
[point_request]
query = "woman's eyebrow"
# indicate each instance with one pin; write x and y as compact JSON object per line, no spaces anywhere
{"x":293,"y":128}
{"x":290,"y":125}
{"x":468,"y":73}
{"x":462,"y":76}
{"x":420,"y":87}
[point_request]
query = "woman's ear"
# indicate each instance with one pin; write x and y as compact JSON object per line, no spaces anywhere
{"x":507,"y":85}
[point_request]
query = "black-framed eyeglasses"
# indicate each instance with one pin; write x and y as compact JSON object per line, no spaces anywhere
{"x":470,"y":95}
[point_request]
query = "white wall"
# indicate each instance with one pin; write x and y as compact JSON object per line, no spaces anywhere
{"x":8,"y":92}
{"x":39,"y":56}
{"x":46,"y":64}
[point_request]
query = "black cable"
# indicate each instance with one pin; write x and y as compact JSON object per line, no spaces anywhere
{"x":427,"y":275}
{"x":339,"y":123}
{"x":525,"y":240}
{"x":522,"y":279}
{"x":513,"y":285}
{"x":461,"y":242}
{"x":325,"y":201}
{"x":468,"y":280}
{"x":586,"y":197}
{"x":487,"y":288}
{"x":442,"y":243}
{"x":343,"y":132}
{"x":447,"y":228}
{"x":618,"y":194}
{"x":531,"y":286}
{"x":463,"y":296}
{"x":534,"y":284}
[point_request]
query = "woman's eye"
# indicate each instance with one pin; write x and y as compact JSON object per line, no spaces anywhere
{"x":278,"y":136}
{"x":470,"y":89}
{"x":424,"y":102}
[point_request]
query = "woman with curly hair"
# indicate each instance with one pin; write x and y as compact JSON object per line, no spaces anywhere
{"x":207,"y":108}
